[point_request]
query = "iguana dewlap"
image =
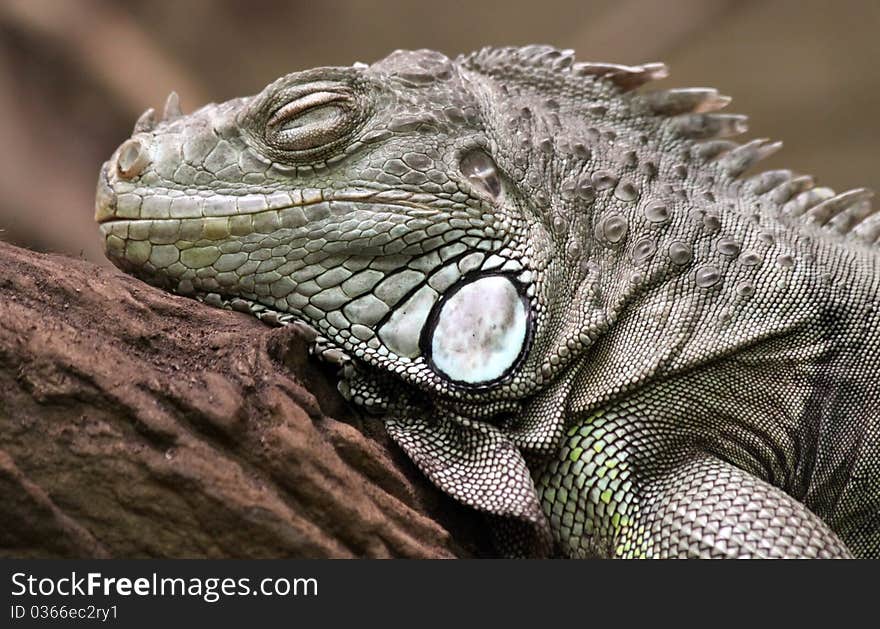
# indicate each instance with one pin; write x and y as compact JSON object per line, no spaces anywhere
{"x":564,"y":298}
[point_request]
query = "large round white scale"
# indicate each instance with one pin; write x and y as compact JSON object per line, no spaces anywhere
{"x":479,"y":331}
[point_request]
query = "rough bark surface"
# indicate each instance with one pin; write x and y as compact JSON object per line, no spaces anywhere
{"x":134,"y":423}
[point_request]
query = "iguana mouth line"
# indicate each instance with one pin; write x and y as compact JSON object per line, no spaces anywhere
{"x":359,"y":202}
{"x":114,"y":206}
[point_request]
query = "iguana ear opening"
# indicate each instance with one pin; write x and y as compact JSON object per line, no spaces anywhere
{"x":479,"y":466}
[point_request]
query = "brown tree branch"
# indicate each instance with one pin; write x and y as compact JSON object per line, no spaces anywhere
{"x":134,"y":423}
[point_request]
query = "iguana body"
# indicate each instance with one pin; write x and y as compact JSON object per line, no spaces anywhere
{"x":567,"y":303}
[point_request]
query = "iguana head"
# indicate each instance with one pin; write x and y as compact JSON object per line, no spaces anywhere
{"x":471,"y":227}
{"x":426,"y":216}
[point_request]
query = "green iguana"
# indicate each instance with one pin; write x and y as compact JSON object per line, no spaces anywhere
{"x":564,"y":298}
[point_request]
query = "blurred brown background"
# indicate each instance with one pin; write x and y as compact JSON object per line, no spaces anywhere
{"x":75,"y":74}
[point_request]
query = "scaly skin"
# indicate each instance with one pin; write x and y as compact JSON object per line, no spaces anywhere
{"x":560,"y":294}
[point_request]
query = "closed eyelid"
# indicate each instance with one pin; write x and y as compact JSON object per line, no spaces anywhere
{"x":304,"y":103}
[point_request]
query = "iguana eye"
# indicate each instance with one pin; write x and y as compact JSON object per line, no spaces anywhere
{"x":310,"y":121}
{"x":480,"y":331}
{"x":480,"y":170}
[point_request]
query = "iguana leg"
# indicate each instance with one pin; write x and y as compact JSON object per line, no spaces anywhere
{"x":605,"y":497}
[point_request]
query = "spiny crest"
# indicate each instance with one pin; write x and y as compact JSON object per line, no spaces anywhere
{"x":691,"y":114}
{"x":510,"y":61}
{"x":849,"y":213}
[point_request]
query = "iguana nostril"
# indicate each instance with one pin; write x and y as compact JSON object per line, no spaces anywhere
{"x":132,"y":160}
